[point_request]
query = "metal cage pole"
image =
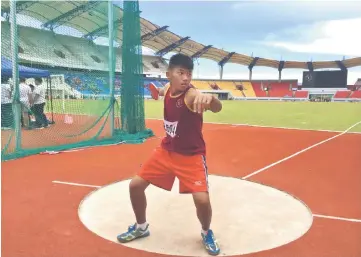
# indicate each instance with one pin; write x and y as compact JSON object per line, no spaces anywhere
{"x":51,"y":99}
{"x":15,"y":75}
{"x":111,"y":63}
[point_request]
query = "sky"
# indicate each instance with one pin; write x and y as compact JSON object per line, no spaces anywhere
{"x":293,"y":30}
{"x":283,"y":30}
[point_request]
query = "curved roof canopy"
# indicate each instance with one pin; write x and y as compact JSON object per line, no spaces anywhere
{"x":91,"y":19}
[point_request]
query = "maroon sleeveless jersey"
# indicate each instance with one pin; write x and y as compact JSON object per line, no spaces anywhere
{"x":182,"y":126}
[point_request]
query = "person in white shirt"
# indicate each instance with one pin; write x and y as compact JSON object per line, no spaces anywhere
{"x":6,"y":104}
{"x":26,"y":102}
{"x":31,"y":115}
{"x":41,"y":120}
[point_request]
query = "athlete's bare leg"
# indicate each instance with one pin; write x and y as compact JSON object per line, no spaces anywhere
{"x":204,"y":209}
{"x":139,"y":202}
{"x":204,"y":213}
{"x":137,"y":196}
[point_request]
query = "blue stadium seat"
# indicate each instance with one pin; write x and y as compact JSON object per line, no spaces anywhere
{"x":92,"y":84}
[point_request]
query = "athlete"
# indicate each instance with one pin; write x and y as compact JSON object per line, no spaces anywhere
{"x":181,"y":153}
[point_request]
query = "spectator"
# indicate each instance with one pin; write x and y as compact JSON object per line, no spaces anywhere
{"x":26,"y":102}
{"x":41,"y":120}
{"x":6,"y":104}
{"x":31,"y":117}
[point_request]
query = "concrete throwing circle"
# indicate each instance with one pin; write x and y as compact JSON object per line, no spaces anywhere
{"x":247,"y":217}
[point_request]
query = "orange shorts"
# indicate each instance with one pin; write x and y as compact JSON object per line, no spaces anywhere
{"x":163,"y":166}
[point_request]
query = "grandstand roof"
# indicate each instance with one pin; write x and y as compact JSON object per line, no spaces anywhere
{"x":91,"y":19}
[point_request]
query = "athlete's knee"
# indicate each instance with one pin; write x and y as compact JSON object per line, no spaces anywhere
{"x":201,"y":199}
{"x":138,"y":184}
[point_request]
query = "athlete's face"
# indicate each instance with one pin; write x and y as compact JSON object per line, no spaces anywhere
{"x":179,"y":78}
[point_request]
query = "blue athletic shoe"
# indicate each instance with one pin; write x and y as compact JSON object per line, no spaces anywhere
{"x":133,"y":233}
{"x":210,"y":243}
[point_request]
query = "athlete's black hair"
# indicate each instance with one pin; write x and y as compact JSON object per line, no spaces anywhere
{"x":181,"y":60}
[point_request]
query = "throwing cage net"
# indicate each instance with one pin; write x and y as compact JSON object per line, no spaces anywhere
{"x":63,"y":87}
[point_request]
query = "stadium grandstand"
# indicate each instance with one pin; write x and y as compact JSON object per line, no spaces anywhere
{"x":78,"y":65}
{"x":75,"y":77}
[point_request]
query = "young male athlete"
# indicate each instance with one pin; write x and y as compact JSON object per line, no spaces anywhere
{"x":181,"y":153}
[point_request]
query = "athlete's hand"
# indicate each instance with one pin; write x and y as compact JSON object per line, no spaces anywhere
{"x":154,"y":91}
{"x":202,"y":102}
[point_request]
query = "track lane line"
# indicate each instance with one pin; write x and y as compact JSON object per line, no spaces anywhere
{"x":234,"y":125}
{"x":301,"y":151}
{"x":74,"y":184}
{"x":336,"y":218}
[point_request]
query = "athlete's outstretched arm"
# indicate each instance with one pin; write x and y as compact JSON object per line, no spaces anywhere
{"x":201,"y":102}
{"x":156,"y":92}
{"x":161,"y":91}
